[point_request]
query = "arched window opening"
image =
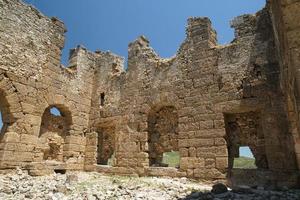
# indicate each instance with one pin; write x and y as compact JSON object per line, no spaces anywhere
{"x":106,"y":146}
{"x":55,"y":126}
{"x":163,"y":137}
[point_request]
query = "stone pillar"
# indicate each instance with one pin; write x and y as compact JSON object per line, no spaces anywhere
{"x":201,"y":33}
{"x":91,"y":151}
{"x":74,"y":152}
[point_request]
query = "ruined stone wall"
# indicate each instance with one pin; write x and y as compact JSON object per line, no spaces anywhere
{"x":32,"y":80}
{"x":162,"y":134}
{"x":245,"y":129}
{"x":202,"y":83}
{"x":260,"y":91}
{"x":285,"y":17}
{"x":106,"y":146}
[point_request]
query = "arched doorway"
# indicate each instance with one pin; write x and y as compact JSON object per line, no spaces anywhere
{"x":163,"y":137}
{"x":55,"y":126}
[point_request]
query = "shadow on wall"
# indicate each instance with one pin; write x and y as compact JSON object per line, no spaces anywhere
{"x":245,"y":130}
{"x":106,"y":146}
{"x":163,"y":137}
{"x":5,"y":118}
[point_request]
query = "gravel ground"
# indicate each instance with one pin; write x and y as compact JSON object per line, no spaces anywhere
{"x":94,"y":186}
{"x":83,"y":185}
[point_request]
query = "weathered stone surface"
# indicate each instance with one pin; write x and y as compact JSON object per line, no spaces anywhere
{"x":204,"y":103}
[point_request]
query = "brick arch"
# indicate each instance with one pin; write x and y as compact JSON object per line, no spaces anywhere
{"x":49,"y":97}
{"x":66,"y":116}
{"x":53,"y":132}
{"x":163,"y":99}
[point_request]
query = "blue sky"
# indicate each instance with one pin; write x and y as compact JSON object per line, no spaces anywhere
{"x":113,"y":24}
{"x":55,"y":111}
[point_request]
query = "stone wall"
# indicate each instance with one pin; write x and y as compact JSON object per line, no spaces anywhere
{"x":286,"y":27}
{"x":162,"y":134}
{"x":32,"y":80}
{"x":245,"y":130}
{"x":156,"y":105}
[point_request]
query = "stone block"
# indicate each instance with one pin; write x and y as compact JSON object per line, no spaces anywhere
{"x":192,"y":152}
{"x":221,"y":151}
{"x":221,"y":162}
{"x":28,"y":139}
{"x":206,"y":152}
{"x":210,"y":163}
{"x":184,"y":152}
{"x":220,"y":142}
{"x":209,"y":124}
{"x":75,"y":140}
{"x":196,"y":142}
{"x":191,"y":163}
{"x":129,"y":147}
{"x":11,"y":137}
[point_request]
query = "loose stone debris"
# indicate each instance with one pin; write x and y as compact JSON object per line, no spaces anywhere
{"x":94,"y":186}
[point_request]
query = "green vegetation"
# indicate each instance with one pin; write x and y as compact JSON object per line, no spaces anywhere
{"x":244,"y":163}
{"x":171,"y":158}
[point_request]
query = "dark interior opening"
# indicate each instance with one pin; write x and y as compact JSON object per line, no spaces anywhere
{"x":60,"y":171}
{"x":106,"y":146}
{"x":102,"y":99}
{"x":163,"y":137}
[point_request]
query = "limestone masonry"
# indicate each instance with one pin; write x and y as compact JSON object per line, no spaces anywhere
{"x":205,"y":102}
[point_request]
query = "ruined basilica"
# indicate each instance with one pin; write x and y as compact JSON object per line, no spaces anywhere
{"x":205,"y":102}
